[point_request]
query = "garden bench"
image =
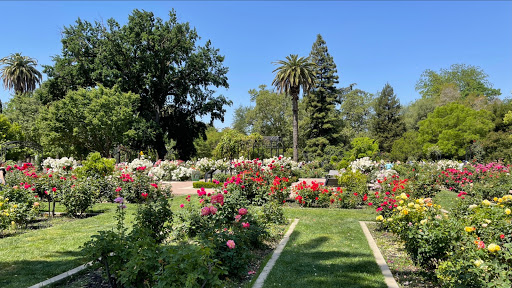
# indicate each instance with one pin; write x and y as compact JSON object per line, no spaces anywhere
{"x":330,"y":179}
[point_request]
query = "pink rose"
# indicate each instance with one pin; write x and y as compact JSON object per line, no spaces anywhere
{"x":205,"y":211}
{"x":242,"y":211}
{"x":231,"y":244}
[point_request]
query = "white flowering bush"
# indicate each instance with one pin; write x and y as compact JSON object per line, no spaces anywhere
{"x":157,"y":173}
{"x":136,"y":163}
{"x":59,"y":166}
{"x":364,"y":165}
{"x":205,"y":165}
{"x":182,"y":173}
{"x":445,"y":164}
{"x":284,"y":162}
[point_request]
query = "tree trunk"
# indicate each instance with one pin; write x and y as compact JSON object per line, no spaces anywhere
{"x":295,"y":110}
{"x":160,"y":146}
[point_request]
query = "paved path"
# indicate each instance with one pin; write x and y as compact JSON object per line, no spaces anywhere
{"x":183,"y":187}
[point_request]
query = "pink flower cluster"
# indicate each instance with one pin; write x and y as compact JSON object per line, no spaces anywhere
{"x":126,"y":177}
{"x":205,"y":211}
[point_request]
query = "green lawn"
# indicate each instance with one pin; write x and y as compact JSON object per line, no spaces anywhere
{"x":327,"y":249}
{"x":447,"y":199}
{"x":37,"y":255}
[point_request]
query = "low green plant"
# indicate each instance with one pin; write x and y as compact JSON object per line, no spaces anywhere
{"x":78,"y":197}
{"x":202,"y":184}
{"x":96,"y":166}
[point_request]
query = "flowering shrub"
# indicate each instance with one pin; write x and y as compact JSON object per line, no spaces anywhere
{"x":354,"y":183}
{"x":363,"y":165}
{"x":470,"y":247}
{"x":78,"y":197}
{"x":59,"y":166}
{"x":314,"y":194}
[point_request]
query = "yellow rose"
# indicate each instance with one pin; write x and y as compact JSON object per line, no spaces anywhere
{"x":390,"y":219}
{"x":405,"y":211}
{"x":410,"y":205}
{"x":399,"y":208}
{"x":403,"y":196}
{"x":417,"y":206}
{"x":379,"y":218}
{"x":478,"y":262}
{"x":423,"y":222}
{"x":495,"y":199}
{"x":507,"y":211}
{"x":473,"y":206}
{"x":493,"y":248}
{"x":469,"y":229}
{"x":486,"y":202}
{"x":401,"y":202}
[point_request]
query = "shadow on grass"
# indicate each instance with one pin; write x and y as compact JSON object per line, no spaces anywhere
{"x":313,"y":264}
{"x":26,"y":273}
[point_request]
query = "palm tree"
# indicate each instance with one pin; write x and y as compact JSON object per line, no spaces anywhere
{"x":19,"y":73}
{"x":293,"y":74}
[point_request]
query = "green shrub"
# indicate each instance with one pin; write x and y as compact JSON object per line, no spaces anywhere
{"x":78,"y":198}
{"x":202,"y":184}
{"x":353,"y":183}
{"x":96,"y":166}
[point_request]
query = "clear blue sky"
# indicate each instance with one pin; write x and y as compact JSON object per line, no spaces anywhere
{"x":372,"y":42}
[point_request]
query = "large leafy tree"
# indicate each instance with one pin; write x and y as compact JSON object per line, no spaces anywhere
{"x":270,"y":115}
{"x":406,"y":147}
{"x":159,"y":60}
{"x":356,"y":112}
{"x":24,"y":110}
{"x":453,"y":128}
{"x":293,"y":74}
{"x":466,"y":79}
{"x":463,"y":84}
{"x":324,"y":121}
{"x":89,"y":120}
{"x":19,"y":73}
{"x":206,"y":145}
{"x":387,"y":124}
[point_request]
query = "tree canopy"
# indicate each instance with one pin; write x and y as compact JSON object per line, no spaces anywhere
{"x":160,"y":61}
{"x":89,"y":120}
{"x":324,"y":121}
{"x":387,"y":123}
{"x":466,"y":79}
{"x":453,"y":128}
{"x":19,"y":73}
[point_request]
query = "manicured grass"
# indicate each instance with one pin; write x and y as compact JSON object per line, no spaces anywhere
{"x":447,"y":199}
{"x":37,"y":255}
{"x":327,"y":249}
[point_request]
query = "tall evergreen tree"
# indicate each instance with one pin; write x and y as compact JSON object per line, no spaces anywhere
{"x":324,"y":125}
{"x":387,"y":124}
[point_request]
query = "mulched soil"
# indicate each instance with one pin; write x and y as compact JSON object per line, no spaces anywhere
{"x":405,"y":272}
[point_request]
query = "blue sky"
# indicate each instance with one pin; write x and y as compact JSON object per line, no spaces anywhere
{"x":372,"y":43}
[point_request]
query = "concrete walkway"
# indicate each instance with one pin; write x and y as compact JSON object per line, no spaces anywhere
{"x":183,"y":187}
